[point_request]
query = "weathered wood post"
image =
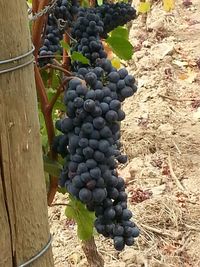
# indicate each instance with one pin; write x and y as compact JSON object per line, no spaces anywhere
{"x":24,"y":229}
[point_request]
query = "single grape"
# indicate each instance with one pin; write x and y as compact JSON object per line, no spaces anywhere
{"x":85,"y":195}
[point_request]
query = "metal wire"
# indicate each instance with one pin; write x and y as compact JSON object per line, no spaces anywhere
{"x":17,"y":67}
{"x":18,"y":57}
{"x":14,"y":61}
{"x":39,"y":254}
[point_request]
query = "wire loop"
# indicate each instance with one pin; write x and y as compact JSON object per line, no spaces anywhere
{"x":13,"y":64}
{"x":39,"y":254}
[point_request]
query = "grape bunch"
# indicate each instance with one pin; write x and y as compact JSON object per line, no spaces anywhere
{"x":58,"y":21}
{"x":86,"y":31}
{"x":51,"y":42}
{"x":114,"y":15}
{"x":89,"y":25}
{"x":62,"y":11}
{"x":92,"y":132}
{"x":90,"y":139}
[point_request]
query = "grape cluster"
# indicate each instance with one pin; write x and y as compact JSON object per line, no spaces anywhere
{"x":51,"y":42}
{"x":62,"y":11}
{"x":92,"y":132}
{"x":90,"y":139}
{"x":114,"y":15}
{"x":86,"y":31}
{"x":89,"y":25}
{"x":58,"y":20}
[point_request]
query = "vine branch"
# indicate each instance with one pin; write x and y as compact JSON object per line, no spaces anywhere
{"x":38,"y":25}
{"x":52,"y":66}
{"x":47,"y":113}
{"x":35,"y":5}
{"x":55,"y":97}
{"x":66,"y":60}
{"x":90,"y":249}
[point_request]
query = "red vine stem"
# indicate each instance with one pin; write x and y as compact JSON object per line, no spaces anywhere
{"x":44,"y":105}
{"x":66,"y":60}
{"x":47,"y":113}
{"x":47,"y":108}
{"x":35,"y":5}
{"x":55,"y":97}
{"x":51,"y":66}
{"x":38,"y":25}
{"x":52,"y":56}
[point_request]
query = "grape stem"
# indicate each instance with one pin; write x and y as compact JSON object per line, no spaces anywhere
{"x":70,"y":37}
{"x":65,"y":61}
{"x":51,"y":56}
{"x":52,"y":66}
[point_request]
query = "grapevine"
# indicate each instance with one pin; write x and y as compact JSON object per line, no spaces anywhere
{"x":89,"y":126}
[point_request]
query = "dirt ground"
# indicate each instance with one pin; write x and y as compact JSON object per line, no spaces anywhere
{"x":161,"y":136}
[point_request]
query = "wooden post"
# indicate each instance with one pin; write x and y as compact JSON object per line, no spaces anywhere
{"x":24,"y":229}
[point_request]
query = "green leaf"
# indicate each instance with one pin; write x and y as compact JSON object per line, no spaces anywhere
{"x":55,"y":80}
{"x":76,"y":56}
{"x":62,"y":190}
{"x":121,"y":47}
{"x":85,"y":3}
{"x":144,"y":7}
{"x":120,"y":32}
{"x":59,"y":105}
{"x":44,"y":140}
{"x":65,"y":46}
{"x":47,"y":180}
{"x":84,"y":218}
{"x":51,"y":166}
{"x":61,"y":160}
{"x":43,"y":130}
{"x":45,"y":77}
{"x":100,"y":2}
{"x":50,"y":93}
